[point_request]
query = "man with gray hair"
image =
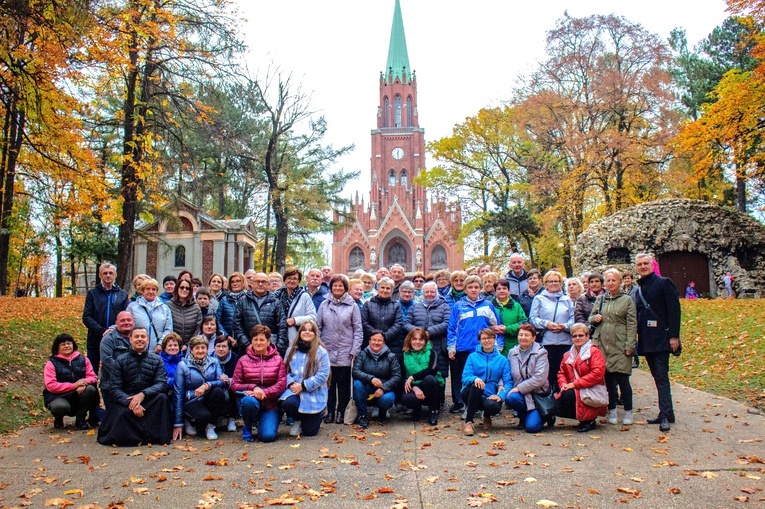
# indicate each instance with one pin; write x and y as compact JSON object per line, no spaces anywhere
{"x":658,"y":317}
{"x":102,"y":304}
{"x":398,"y":277}
{"x":517,"y":276}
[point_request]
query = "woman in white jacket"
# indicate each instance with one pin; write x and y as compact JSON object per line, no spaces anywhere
{"x":152,"y":314}
{"x":552,"y":314}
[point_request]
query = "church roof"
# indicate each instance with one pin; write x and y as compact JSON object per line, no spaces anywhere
{"x":398,"y":57}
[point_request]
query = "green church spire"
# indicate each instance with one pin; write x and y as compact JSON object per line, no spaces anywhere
{"x":398,"y":58}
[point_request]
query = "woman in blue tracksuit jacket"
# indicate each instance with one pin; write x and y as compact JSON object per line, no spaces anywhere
{"x":485,"y":381}
{"x":470,"y":315}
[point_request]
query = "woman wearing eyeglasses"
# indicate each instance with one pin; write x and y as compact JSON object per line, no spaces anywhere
{"x":187,"y":316}
{"x":552,"y":314}
{"x":583,"y":366}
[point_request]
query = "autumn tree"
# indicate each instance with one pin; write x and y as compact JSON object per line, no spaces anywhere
{"x":600,"y":115}
{"x":153,"y":52}
{"x":42,"y":135}
{"x":482,"y":164}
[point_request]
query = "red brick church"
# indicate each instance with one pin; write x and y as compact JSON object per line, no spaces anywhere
{"x":400,"y":224}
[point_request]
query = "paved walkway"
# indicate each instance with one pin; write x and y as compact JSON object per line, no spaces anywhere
{"x":712,"y":457}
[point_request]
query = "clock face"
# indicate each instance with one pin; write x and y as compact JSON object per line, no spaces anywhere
{"x":397,"y":153}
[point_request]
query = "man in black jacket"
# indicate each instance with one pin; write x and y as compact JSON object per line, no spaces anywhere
{"x":140,"y":412}
{"x":101,"y":307}
{"x":658,"y":311}
{"x":114,"y":344}
{"x":260,"y":307}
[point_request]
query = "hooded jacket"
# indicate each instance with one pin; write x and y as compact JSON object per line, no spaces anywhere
{"x":61,"y":372}
{"x":153,"y":316}
{"x":592,"y":370}
{"x":543,"y":311}
{"x":617,"y":331}
{"x":530,"y":374}
{"x":342,"y":332}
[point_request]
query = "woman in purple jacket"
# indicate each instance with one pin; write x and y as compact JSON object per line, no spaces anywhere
{"x":339,"y":321}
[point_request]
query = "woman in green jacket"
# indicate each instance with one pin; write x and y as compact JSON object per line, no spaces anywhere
{"x":615,"y":320}
{"x":511,"y":315}
{"x":423,"y":381}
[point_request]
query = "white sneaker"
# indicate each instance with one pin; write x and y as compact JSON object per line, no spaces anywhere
{"x":190,"y":430}
{"x":295,"y":429}
{"x":627,"y":417}
{"x":464,"y":414}
{"x":210,"y":432}
{"x":231,"y":424}
{"x":612,"y":417}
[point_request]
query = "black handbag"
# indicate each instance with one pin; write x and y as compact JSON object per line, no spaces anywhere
{"x":544,"y":403}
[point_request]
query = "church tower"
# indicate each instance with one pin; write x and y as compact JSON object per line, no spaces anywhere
{"x":399,"y":224}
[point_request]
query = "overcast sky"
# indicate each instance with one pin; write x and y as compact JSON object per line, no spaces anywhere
{"x":467,"y":55}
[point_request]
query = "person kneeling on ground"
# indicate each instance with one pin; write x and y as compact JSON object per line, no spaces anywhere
{"x":583,"y":366}
{"x":529,"y":367}
{"x":259,"y":379}
{"x":70,"y":383}
{"x":376,"y":374}
{"x":307,"y":378}
{"x":423,"y":380}
{"x":485,"y":380}
{"x":141,"y":410}
{"x":200,"y":391}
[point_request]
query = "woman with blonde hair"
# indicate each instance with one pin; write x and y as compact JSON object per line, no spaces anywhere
{"x":552,"y":314}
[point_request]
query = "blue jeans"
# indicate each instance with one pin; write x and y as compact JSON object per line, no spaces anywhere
{"x":267,"y":420}
{"x":530,"y":419}
{"x":361,"y":392}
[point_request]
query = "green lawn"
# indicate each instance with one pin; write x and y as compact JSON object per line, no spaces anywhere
{"x":723,"y":350}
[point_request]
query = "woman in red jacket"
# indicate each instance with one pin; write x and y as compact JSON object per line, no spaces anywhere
{"x":583,"y":366}
{"x":260,"y":378}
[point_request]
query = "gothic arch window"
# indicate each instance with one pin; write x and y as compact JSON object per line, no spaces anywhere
{"x":409,"y":111}
{"x":404,"y":180}
{"x":180,"y":256}
{"x":356,"y":259}
{"x":438,"y":258}
{"x":386,"y":112}
{"x":397,"y":111}
{"x":397,"y":253}
{"x":392,"y":179}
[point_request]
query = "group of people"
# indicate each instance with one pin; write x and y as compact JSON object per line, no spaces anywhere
{"x":263,"y":349}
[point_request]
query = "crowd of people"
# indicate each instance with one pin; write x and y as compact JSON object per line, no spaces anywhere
{"x":262,"y":349}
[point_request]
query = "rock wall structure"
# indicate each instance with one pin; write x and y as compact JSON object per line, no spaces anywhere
{"x":676,"y":231}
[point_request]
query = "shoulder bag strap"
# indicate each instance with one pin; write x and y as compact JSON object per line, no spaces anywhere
{"x":151,"y":322}
{"x":649,"y":308}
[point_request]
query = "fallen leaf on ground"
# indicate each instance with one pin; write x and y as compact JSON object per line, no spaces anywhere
{"x":58,"y":502}
{"x":546,"y":504}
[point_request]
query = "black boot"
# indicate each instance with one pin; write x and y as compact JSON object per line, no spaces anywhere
{"x":81,"y":423}
{"x":433,"y":417}
{"x":329,"y":418}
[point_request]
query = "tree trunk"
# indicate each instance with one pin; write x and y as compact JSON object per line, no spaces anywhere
{"x":59,"y":265}
{"x":740,"y":189}
{"x":13,"y":136}
{"x":282,"y":231}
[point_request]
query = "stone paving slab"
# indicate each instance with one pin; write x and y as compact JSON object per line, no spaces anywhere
{"x":713,"y":457}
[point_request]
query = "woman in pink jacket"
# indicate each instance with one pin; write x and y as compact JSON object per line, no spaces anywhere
{"x":259,"y":379}
{"x":70,"y":383}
